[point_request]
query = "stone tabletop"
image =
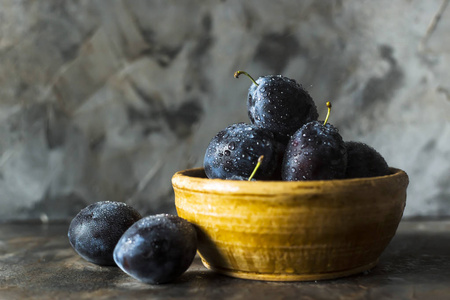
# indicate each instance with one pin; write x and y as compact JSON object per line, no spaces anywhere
{"x":37,"y":262}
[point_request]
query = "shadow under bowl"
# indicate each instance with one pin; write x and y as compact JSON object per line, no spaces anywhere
{"x":291,"y":231}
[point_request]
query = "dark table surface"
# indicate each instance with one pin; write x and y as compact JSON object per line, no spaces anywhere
{"x":37,"y":262}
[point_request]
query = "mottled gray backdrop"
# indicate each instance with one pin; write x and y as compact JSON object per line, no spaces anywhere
{"x":106,"y":100}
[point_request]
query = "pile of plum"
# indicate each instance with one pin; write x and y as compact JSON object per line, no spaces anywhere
{"x":283,"y":141}
{"x":284,"y":130}
{"x":154,"y":249}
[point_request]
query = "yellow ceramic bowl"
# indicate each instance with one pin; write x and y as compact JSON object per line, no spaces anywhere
{"x":291,"y":231}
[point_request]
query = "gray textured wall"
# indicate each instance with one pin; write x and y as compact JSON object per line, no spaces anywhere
{"x":105,"y":100}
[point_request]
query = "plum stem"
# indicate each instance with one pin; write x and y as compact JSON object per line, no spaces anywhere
{"x":237,"y":73}
{"x":260,"y":159}
{"x":328,"y":113}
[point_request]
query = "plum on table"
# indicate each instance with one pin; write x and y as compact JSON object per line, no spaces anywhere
{"x":157,"y":249}
{"x":96,"y":229}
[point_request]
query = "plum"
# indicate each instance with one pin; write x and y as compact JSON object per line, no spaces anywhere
{"x":157,"y":249}
{"x":96,"y":229}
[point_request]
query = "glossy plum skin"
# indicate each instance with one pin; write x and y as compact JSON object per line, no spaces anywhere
{"x":281,"y":105}
{"x":157,"y":249}
{"x":315,"y":152}
{"x":96,"y":229}
{"x":233,"y":153}
{"x":364,"y":161}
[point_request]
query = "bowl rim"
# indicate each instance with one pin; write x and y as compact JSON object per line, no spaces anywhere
{"x":189,"y":179}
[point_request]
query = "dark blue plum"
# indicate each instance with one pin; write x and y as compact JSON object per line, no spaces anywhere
{"x":315,"y":152}
{"x":157,"y":249}
{"x":233,"y":153}
{"x":364,"y":161}
{"x":96,"y":229}
{"x":279,"y":104}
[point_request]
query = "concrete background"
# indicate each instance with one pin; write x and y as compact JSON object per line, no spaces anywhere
{"x":106,"y":100}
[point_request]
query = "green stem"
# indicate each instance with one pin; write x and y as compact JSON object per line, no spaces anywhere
{"x":260,"y":159}
{"x":328,"y":113}
{"x":237,"y":73}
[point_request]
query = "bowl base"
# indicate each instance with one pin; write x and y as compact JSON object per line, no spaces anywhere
{"x":288,"y":276}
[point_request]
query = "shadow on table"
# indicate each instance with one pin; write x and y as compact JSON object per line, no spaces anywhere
{"x":417,"y":257}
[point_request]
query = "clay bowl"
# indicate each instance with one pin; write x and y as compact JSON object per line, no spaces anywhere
{"x":291,"y":231}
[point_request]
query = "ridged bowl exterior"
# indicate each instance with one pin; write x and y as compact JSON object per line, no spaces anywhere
{"x":291,"y":231}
